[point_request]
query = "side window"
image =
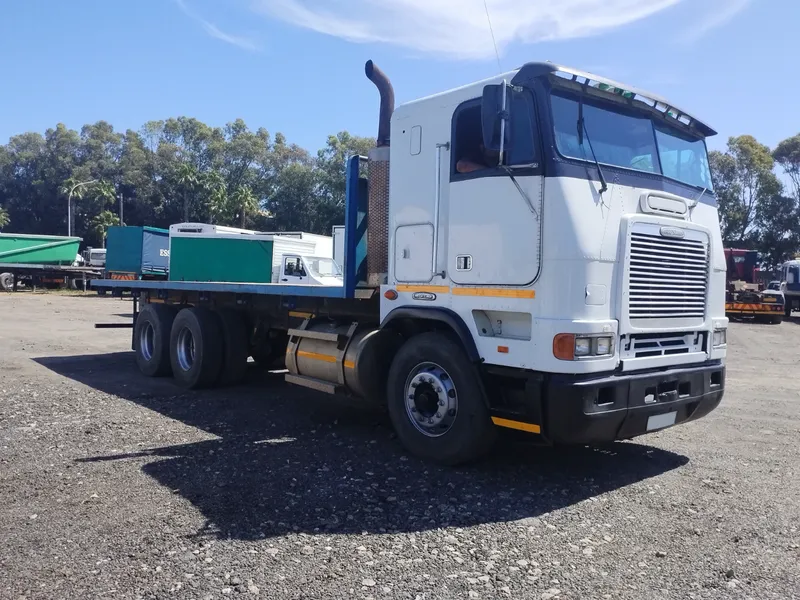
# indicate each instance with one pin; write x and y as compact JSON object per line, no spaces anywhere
{"x":469,"y":152}
{"x":294,"y":267}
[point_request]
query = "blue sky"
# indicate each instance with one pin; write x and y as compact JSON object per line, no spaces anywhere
{"x":296,"y":66}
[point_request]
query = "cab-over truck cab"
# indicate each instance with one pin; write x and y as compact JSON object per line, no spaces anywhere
{"x":568,"y":224}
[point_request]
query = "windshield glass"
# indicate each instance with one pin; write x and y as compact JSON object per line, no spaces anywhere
{"x":629,"y":140}
{"x":323,"y":267}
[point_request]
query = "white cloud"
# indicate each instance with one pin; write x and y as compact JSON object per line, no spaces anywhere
{"x":458,"y":28}
{"x":719,"y":13}
{"x":216,"y":32}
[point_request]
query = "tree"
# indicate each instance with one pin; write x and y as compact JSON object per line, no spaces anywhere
{"x":102,"y":222}
{"x":332,"y":165}
{"x":189,"y":180}
{"x":742,"y":178}
{"x":244,"y":203}
{"x":787,"y":155}
{"x":215,"y":195}
{"x":4,"y":218}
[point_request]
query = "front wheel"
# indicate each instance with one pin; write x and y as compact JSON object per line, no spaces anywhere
{"x":436,"y":401}
{"x":787,"y":309}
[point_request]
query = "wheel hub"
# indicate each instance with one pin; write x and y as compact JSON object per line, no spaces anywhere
{"x":147,"y":341}
{"x":185,"y":349}
{"x":431,"y":399}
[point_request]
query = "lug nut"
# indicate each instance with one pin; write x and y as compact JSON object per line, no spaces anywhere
{"x":441,"y":402}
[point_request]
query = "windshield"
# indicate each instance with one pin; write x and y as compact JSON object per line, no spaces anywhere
{"x":629,"y":140}
{"x":323,"y":267}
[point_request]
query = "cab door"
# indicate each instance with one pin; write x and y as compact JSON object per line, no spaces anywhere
{"x":294,"y":272}
{"x":495,"y":210}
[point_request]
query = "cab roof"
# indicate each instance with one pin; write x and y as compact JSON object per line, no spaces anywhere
{"x":539,"y":70}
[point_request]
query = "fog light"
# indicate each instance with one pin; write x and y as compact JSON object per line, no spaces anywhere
{"x":720,"y":337}
{"x":603,"y":346}
{"x":583,"y":346}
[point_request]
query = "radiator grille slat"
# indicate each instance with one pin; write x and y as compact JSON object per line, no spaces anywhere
{"x":668,"y":278}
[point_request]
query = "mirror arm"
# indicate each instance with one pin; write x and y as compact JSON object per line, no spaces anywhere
{"x":503,"y":119}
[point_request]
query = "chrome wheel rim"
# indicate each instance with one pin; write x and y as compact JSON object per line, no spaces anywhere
{"x":431,"y":399}
{"x":147,"y":341}
{"x":185,"y":349}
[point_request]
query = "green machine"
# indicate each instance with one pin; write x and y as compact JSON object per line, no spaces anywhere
{"x":211,"y":253}
{"x":18,"y":248}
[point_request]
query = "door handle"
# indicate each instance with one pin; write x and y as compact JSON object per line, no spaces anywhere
{"x":284,"y":279}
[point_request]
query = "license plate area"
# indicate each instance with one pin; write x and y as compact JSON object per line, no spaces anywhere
{"x":656,"y":422}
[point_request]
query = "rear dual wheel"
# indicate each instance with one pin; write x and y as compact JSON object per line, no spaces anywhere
{"x":200,"y":347}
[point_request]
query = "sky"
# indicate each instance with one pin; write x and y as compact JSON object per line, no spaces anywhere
{"x":296,"y":66}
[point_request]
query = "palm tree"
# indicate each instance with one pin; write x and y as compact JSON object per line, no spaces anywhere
{"x":188,"y":180}
{"x":4,"y":218}
{"x":74,"y":188}
{"x":244,"y":202}
{"x":102,"y":222}
{"x":216,"y":194}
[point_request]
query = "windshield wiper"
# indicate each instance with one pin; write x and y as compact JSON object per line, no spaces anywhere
{"x":581,"y":130}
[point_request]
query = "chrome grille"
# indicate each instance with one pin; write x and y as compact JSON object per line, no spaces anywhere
{"x":668,"y":277}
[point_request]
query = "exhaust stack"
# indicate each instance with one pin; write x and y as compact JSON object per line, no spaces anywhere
{"x":378,"y":211}
{"x":381,"y":81}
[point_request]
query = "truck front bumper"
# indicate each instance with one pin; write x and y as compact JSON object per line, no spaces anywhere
{"x":580,"y":410}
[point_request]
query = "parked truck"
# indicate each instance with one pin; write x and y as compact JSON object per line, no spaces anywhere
{"x":202,"y":252}
{"x":790,"y":286}
{"x":47,"y":261}
{"x":745,"y":297}
{"x":536,"y":253}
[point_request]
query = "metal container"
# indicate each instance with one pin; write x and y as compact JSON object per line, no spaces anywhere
{"x":136,"y":252}
{"x":241,"y":258}
{"x":17,"y":248}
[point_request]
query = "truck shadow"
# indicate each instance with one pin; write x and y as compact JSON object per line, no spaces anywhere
{"x":287,"y":459}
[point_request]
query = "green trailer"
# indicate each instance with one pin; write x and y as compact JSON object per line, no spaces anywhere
{"x":221,"y":257}
{"x":22,"y":249}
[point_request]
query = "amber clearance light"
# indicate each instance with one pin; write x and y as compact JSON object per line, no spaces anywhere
{"x":390,"y":295}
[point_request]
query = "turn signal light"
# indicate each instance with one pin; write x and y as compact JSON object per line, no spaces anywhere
{"x":390,"y":295}
{"x":564,"y":346}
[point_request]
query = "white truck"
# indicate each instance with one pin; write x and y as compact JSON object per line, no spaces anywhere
{"x":537,"y":253}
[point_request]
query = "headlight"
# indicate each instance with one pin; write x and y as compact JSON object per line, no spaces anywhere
{"x":583,"y":346}
{"x":568,"y":346}
{"x":720,"y":337}
{"x":603,"y":346}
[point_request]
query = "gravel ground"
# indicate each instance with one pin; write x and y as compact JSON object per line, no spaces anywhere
{"x":116,"y":486}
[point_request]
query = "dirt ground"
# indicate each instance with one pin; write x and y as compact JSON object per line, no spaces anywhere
{"x":117,"y":486}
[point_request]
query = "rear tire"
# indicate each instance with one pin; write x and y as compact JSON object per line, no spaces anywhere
{"x":6,"y":282}
{"x":436,"y":401}
{"x":195,"y":348}
{"x":151,"y":339}
{"x":787,"y":309}
{"x":234,"y":347}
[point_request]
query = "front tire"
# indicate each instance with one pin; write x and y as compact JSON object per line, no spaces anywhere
{"x":436,"y":401}
{"x":195,"y":348}
{"x":151,"y":339}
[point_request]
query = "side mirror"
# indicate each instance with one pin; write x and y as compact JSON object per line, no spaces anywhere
{"x":494,"y":112}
